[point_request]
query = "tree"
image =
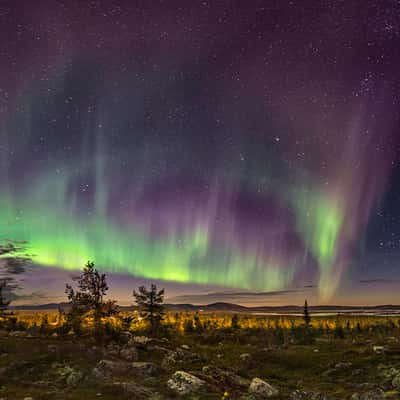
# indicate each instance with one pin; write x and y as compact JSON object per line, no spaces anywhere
{"x":235,"y":322}
{"x":306,"y":315}
{"x":89,"y":297}
{"x":150,"y":305}
{"x":13,"y":262}
{"x":3,"y":302}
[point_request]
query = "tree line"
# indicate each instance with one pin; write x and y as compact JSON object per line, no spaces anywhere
{"x":87,"y":301}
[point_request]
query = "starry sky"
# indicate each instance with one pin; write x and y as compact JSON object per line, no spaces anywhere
{"x":215,"y":147}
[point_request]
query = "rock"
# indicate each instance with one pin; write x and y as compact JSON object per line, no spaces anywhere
{"x":343,"y":365}
{"x":141,"y":341}
{"x":245,"y":357}
{"x":396,"y":381}
{"x":144,"y":368}
{"x":378,"y":349}
{"x":377,"y":394}
{"x":54,"y":335}
{"x":129,"y":354}
{"x":125,"y":337}
{"x":169,"y":360}
{"x":329,"y":372}
{"x":185,"y":347}
{"x":184,"y":383}
{"x":67,"y":374}
{"x":225,"y":377}
{"x":17,"y":334}
{"x":52,"y":348}
{"x":388,"y":373}
{"x":159,"y":349}
{"x":262,"y":389}
{"x":133,"y":388}
{"x":74,"y":378}
{"x":304,"y":395}
{"x":112,"y":350}
{"x":184,"y":355}
{"x":107,"y":368}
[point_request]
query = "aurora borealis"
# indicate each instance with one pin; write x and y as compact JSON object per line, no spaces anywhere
{"x":243,"y":145}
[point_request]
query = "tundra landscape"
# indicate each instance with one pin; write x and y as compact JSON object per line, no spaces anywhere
{"x":199,"y":199}
{"x":91,"y":348}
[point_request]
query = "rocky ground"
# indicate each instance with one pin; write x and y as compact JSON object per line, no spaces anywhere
{"x":188,"y":367}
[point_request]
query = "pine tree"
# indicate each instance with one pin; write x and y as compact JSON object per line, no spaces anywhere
{"x":306,"y":315}
{"x":150,"y":305}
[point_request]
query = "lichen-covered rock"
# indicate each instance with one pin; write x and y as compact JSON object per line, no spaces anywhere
{"x":262,"y":389}
{"x":184,"y":383}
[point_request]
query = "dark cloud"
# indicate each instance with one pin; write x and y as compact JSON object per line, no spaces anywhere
{"x":384,"y":281}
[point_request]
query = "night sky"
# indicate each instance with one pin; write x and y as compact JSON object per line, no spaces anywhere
{"x":212,"y":146}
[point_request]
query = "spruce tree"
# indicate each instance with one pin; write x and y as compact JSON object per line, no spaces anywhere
{"x":89,"y":296}
{"x":150,"y":303}
{"x":306,"y":315}
{"x":3,"y":302}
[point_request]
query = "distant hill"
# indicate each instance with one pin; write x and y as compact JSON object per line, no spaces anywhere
{"x":228,"y":307}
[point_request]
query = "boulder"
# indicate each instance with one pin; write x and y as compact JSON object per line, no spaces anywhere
{"x":184,"y":383}
{"x":262,"y":389}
